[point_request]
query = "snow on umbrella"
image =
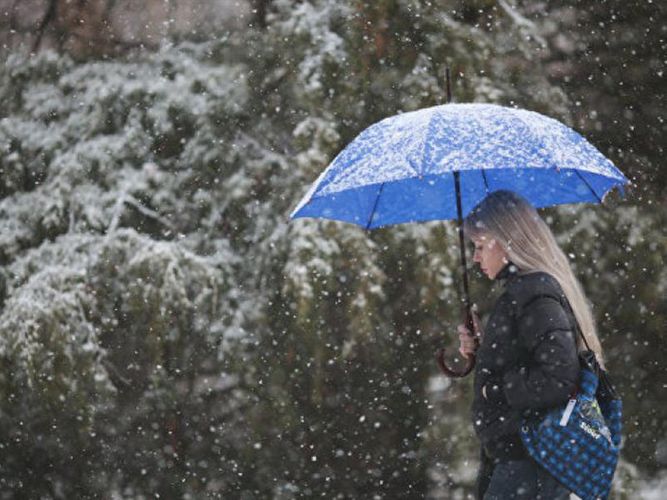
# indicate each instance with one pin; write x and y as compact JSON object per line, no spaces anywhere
{"x":437,"y":163}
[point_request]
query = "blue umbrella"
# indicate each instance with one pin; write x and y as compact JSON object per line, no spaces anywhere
{"x":437,"y":163}
{"x":402,"y":168}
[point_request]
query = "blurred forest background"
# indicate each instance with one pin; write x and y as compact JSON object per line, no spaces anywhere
{"x":166,"y":332}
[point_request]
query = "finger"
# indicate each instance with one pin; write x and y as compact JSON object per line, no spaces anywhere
{"x":463,"y":330}
{"x":476,"y":323}
{"x":463,"y":353}
{"x":467,"y":341}
{"x":468,"y":336}
{"x":467,"y":346}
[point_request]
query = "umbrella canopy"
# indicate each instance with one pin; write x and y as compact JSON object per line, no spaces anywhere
{"x":401,"y":169}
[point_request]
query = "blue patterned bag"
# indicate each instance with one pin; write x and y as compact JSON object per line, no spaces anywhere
{"x":579,"y":444}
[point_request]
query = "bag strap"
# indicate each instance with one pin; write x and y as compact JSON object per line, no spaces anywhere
{"x":602,"y":374}
{"x":576,"y":324}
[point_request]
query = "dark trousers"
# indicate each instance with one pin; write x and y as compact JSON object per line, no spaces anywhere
{"x":517,"y":480}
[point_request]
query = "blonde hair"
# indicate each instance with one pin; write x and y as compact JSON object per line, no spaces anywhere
{"x":529,"y":243}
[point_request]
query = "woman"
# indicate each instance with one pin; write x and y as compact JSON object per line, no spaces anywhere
{"x":527,"y":359}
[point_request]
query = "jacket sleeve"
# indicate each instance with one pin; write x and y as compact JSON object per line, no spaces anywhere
{"x":552,"y":370}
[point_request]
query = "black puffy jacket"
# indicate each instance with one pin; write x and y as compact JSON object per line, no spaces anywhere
{"x":527,"y":360}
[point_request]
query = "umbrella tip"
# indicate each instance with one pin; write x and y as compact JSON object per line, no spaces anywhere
{"x":448,"y":85}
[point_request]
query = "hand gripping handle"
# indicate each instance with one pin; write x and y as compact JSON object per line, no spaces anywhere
{"x":470,"y":361}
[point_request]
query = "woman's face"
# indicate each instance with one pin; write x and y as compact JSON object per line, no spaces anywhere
{"x":490,"y":255}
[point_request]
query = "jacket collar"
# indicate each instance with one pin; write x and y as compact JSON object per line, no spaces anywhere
{"x":508,"y":271}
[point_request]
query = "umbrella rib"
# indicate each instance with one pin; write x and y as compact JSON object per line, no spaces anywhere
{"x":588,"y":185}
{"x":486,"y":183}
{"x":375,"y":205}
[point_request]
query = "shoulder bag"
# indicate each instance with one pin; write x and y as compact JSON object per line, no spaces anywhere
{"x":579,"y":442}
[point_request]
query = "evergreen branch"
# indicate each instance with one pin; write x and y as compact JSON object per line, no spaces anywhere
{"x":127,"y":199}
{"x":132,"y":201}
{"x":48,"y":17}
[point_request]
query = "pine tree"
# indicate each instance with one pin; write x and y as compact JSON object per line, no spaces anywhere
{"x":166,"y":329}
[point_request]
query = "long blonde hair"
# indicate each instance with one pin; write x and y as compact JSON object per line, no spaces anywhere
{"x":529,"y":243}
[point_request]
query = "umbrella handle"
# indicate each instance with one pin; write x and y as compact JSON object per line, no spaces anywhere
{"x":450,"y":372}
{"x":470,"y":360}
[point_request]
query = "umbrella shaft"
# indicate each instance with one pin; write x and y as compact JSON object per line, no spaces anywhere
{"x":459,"y":211}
